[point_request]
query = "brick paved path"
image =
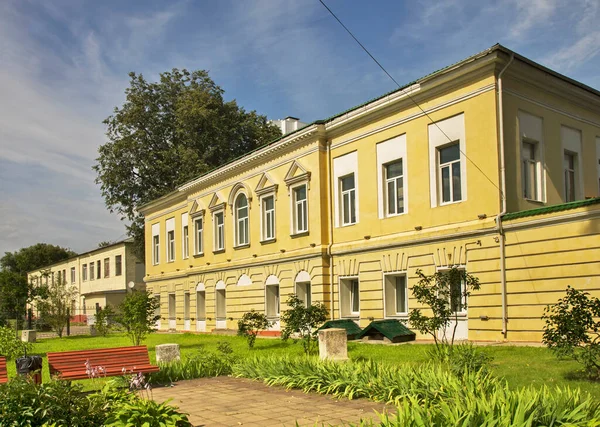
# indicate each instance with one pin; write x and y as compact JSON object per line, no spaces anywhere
{"x":225,"y":401}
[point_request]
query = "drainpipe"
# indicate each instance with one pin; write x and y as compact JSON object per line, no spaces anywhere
{"x":502,"y":200}
{"x":330,"y":204}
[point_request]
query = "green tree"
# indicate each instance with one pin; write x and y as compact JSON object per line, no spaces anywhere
{"x":251,"y":324}
{"x":444,"y":294}
{"x":54,"y":302}
{"x":304,"y":321}
{"x":15,"y":291}
{"x":137,"y":314}
{"x":167,"y":133}
{"x":572,"y":329}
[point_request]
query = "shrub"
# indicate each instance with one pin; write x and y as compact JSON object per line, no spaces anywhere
{"x":105,"y":320}
{"x":461,"y":358}
{"x":11,"y":346}
{"x":200,"y":365}
{"x":572,"y":329}
{"x":251,"y":324}
{"x":147,"y":413}
{"x":137,"y":314}
{"x":304,"y":321}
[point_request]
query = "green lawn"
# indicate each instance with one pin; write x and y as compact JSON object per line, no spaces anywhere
{"x":521,"y":366}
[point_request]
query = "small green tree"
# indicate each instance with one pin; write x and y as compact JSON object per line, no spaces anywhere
{"x":304,"y":321}
{"x":572,"y":329}
{"x":445,"y":294}
{"x":54,"y":302}
{"x":137,"y":314}
{"x":105,"y":320}
{"x":251,"y":324}
{"x":10,"y":345}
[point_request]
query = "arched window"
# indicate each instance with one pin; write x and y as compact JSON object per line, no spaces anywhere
{"x":272,"y":297}
{"x":241,"y":220}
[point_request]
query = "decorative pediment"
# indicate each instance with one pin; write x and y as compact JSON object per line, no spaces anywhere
{"x":266,"y":185}
{"x":297,"y":173}
{"x":216,"y":202}
{"x":196,"y":209}
{"x":240,"y":186}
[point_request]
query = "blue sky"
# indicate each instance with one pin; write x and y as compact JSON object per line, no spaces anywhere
{"x":64,"y":65}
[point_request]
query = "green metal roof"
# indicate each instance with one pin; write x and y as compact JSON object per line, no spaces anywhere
{"x":551,"y":209}
{"x":390,"y":328}
{"x":352,"y":329}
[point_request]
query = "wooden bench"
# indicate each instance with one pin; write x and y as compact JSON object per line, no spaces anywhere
{"x":3,"y":372}
{"x":101,"y":362}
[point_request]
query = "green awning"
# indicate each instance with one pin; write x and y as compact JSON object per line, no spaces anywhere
{"x":392,"y":329}
{"x":352,"y":329}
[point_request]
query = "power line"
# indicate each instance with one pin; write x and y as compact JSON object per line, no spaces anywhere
{"x":408,"y":95}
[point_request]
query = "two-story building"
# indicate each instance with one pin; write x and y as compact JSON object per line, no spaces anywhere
{"x":102,"y":277}
{"x":491,"y":164}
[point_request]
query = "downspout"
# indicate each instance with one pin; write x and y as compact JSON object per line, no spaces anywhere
{"x":330,"y":204}
{"x":502,"y":200}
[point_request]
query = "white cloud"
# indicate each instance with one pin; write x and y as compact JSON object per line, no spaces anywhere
{"x":571,"y":57}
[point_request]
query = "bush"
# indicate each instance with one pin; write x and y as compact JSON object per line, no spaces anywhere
{"x":146,"y":413}
{"x":572,"y":329}
{"x":105,"y":320}
{"x":461,"y":358}
{"x":200,"y":365}
{"x":11,"y":346}
{"x":137,"y":314}
{"x":303,"y":321}
{"x":251,"y":324}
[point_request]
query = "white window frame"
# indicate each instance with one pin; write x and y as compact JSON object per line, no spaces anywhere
{"x":570,"y":175}
{"x":347,"y":297}
{"x":387,"y":277}
{"x":275,"y":311}
{"x":531,"y":164}
{"x":299,"y":205}
{"x":92,"y":272}
{"x":398,"y":209}
{"x":155,"y":244}
{"x":347,"y":199}
{"x":531,"y":132}
{"x":264,"y":218}
{"x":238,"y":222}
{"x":388,"y":152}
{"x":449,"y":165}
{"x":463,"y":312}
{"x":452,"y":131}
{"x":571,"y":143}
{"x":185,"y":236}
{"x":106,"y":266}
{"x":84,"y":272}
{"x":170,"y":241}
{"x":303,"y":279}
{"x":198,"y":235}
{"x":343,"y":166}
{"x":218,"y":231}
{"x":73,"y":275}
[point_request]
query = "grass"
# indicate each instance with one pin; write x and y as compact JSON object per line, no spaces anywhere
{"x":521,"y":366}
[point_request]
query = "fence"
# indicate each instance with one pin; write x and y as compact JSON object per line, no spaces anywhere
{"x":76,"y":322}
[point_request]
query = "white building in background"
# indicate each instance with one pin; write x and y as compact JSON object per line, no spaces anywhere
{"x":289,"y":124}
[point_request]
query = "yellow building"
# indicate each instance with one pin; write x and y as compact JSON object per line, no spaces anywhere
{"x":102,"y":277}
{"x":491,"y":165}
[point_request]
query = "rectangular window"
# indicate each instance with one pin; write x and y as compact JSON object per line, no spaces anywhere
{"x":303,"y":292}
{"x":199,"y":236}
{"x":268,"y":217}
{"x":394,"y":186}
{"x":106,"y":267}
{"x":349,"y":297}
{"x":221,"y":304}
{"x":396,"y":295}
{"x":64,"y":276}
{"x":300,"y":219}
{"x":186,"y":306}
{"x":98,"y":269}
{"x":156,"y":249}
{"x":84,"y":272}
{"x":219,"y":223}
{"x":72,"y":274}
{"x":92,"y":275}
{"x":449,"y":173}
{"x":171,"y":246}
{"x":186,"y":242}
{"x":569,"y":164}
{"x":118,"y":265}
{"x":348,"y":192}
{"x":272,"y":300}
{"x":530,"y":170}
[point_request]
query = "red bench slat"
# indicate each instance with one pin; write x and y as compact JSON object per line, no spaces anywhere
{"x":71,"y":364}
{"x":3,"y":371}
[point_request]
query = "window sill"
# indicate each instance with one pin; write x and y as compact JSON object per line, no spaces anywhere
{"x":268,"y":241}
{"x":200,"y":255}
{"x":300,"y":234}
{"x":394,"y":215}
{"x":244,"y":246}
{"x":348,"y":225}
{"x":537,"y":202}
{"x":351,"y":316}
{"x":219,"y":251}
{"x":450,"y":203}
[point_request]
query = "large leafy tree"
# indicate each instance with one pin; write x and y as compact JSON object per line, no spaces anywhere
{"x":167,"y":133}
{"x":15,"y":292}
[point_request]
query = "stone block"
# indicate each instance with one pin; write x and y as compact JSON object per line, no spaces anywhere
{"x":28,"y":335}
{"x":333,"y":344}
{"x":166,"y":353}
